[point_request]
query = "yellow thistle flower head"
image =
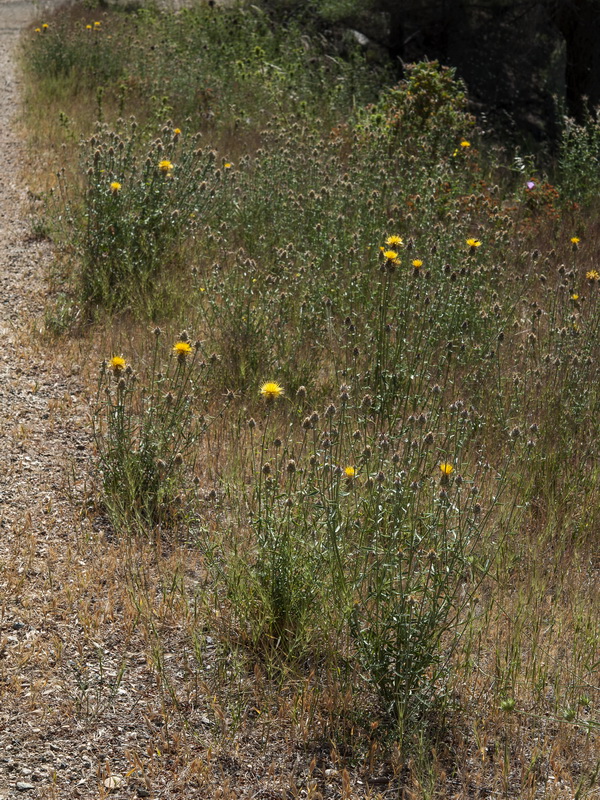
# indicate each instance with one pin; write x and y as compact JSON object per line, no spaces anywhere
{"x":97,"y":24}
{"x":575,"y":239}
{"x":592,"y":275}
{"x":117,"y":364}
{"x":88,"y":27}
{"x":350,"y":472}
{"x":45,"y":26}
{"x":165,"y":166}
{"x":465,"y":143}
{"x":271,"y":390}
{"x":574,"y":297}
{"x":177,"y":132}
{"x":446,"y":468}
{"x":115,"y":187}
{"x":390,"y":255}
{"x":417,"y":263}
{"x":38,"y":30}
{"x":182,"y":350}
{"x":473,"y":243}
{"x":394,"y":241}
{"x":227,"y":165}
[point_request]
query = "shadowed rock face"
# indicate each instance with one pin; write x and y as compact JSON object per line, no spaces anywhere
{"x":511,"y":56}
{"x":525,"y":63}
{"x":579,"y":23}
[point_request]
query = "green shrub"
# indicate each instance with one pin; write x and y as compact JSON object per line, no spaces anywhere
{"x":579,"y":159}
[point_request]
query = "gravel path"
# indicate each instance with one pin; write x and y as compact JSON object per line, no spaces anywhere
{"x":43,"y":430}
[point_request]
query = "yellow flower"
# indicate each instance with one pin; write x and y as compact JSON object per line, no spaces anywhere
{"x":177,"y":132}
{"x":38,"y":30}
{"x":115,"y":187}
{"x":394,"y":241}
{"x":592,"y":275}
{"x":182,"y":350}
{"x":465,"y":143}
{"x":391,"y":255}
{"x":165,"y":166}
{"x":227,"y":165}
{"x":473,"y":242}
{"x":117,"y":364}
{"x":270,"y":390}
{"x":575,"y":239}
{"x":45,"y":26}
{"x":88,"y":27}
{"x":97,"y":24}
{"x":574,"y":297}
{"x":446,"y":468}
{"x":417,"y":263}
{"x":350,"y":472}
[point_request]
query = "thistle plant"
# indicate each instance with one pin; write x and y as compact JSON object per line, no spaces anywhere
{"x":145,"y":431}
{"x":141,"y":204}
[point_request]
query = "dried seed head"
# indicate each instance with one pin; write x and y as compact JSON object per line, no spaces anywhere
{"x":266,"y":469}
{"x":251,"y":423}
{"x":291,"y":466}
{"x":178,"y":460}
{"x":301,"y":393}
{"x":330,"y":411}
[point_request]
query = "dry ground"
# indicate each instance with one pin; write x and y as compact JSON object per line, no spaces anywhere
{"x":109,"y":681}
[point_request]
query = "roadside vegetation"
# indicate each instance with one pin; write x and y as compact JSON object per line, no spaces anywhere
{"x":344,"y":395}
